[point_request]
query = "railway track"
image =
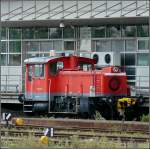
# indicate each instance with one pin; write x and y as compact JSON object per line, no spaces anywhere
{"x":10,"y":134}
{"x":84,"y":129}
{"x":86,"y":124}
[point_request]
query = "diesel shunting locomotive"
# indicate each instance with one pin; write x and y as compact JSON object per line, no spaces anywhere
{"x":72,"y":85}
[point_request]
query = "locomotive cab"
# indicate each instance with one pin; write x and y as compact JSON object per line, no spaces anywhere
{"x":48,"y":84}
{"x":36,"y":82}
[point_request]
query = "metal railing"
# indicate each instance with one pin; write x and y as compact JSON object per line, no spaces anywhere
{"x":118,"y":7}
{"x":11,"y":83}
{"x":141,"y":86}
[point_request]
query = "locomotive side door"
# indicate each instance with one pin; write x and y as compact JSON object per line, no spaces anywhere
{"x":39,"y":83}
{"x":53,"y":71}
{"x":28,"y":82}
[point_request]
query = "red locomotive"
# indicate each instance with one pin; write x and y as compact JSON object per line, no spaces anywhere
{"x":72,"y":85}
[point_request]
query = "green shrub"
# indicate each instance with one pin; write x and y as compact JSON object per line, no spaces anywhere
{"x":98,"y":116}
{"x":144,"y":118}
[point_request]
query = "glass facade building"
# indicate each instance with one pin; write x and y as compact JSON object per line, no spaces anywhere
{"x":30,"y":30}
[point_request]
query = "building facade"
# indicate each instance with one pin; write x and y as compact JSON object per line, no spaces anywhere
{"x":33,"y":28}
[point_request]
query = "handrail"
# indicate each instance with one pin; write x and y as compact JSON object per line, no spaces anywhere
{"x":68,"y":9}
{"x":11,"y":11}
{"x":98,"y":6}
{"x":121,"y":9}
{"x":99,"y":11}
{"x":41,"y":9}
{"x":143,"y":12}
{"x":114,"y":5}
{"x":29,"y":13}
{"x":129,"y":5}
{"x":28,"y":9}
{"x":49,"y":11}
{"x":13,"y":16}
{"x":82,"y":8}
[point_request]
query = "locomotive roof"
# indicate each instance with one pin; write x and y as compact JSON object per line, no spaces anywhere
{"x":43,"y":60}
{"x":38,"y":60}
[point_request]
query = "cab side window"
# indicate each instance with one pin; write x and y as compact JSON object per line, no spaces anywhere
{"x":85,"y":66}
{"x":39,"y":70}
{"x":54,"y":67}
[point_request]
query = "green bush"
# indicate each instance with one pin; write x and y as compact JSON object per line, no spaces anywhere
{"x":144,"y":118}
{"x":98,"y":116}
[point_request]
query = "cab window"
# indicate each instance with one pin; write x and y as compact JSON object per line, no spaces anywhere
{"x":55,"y":66}
{"x":85,"y":66}
{"x":29,"y":73}
{"x":39,"y":70}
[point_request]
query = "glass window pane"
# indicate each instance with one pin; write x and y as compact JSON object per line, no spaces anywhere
{"x":117,"y":45}
{"x":32,"y":46}
{"x":93,"y":45}
{"x":14,"y":59}
{"x":55,"y":33}
{"x":68,"y":32}
{"x":46,"y":54}
{"x":30,"y":55}
{"x":130,"y":45}
{"x":3,"y":33}
{"x":143,"y":45}
{"x":4,"y":48}
{"x":29,"y":73}
{"x":130,"y":73}
{"x":85,"y":32}
{"x":3,"y":59}
{"x":129,"y":31}
{"x":57,"y":45}
{"x":15,"y":33}
{"x":46,"y":46}
{"x":53,"y":68}
{"x":142,"y":59}
{"x":98,"y":32}
{"x":28,"y":33}
{"x":103,"y":46}
{"x":68,"y":45}
{"x":128,"y":59}
{"x":113,"y":31}
{"x":142,"y":31}
{"x":15,"y":46}
{"x":41,"y":33}
{"x":85,"y":44}
{"x":39,"y":70}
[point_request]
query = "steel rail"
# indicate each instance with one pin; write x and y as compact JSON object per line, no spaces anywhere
{"x":81,"y":135}
{"x":69,"y":130}
{"x":84,"y":124}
